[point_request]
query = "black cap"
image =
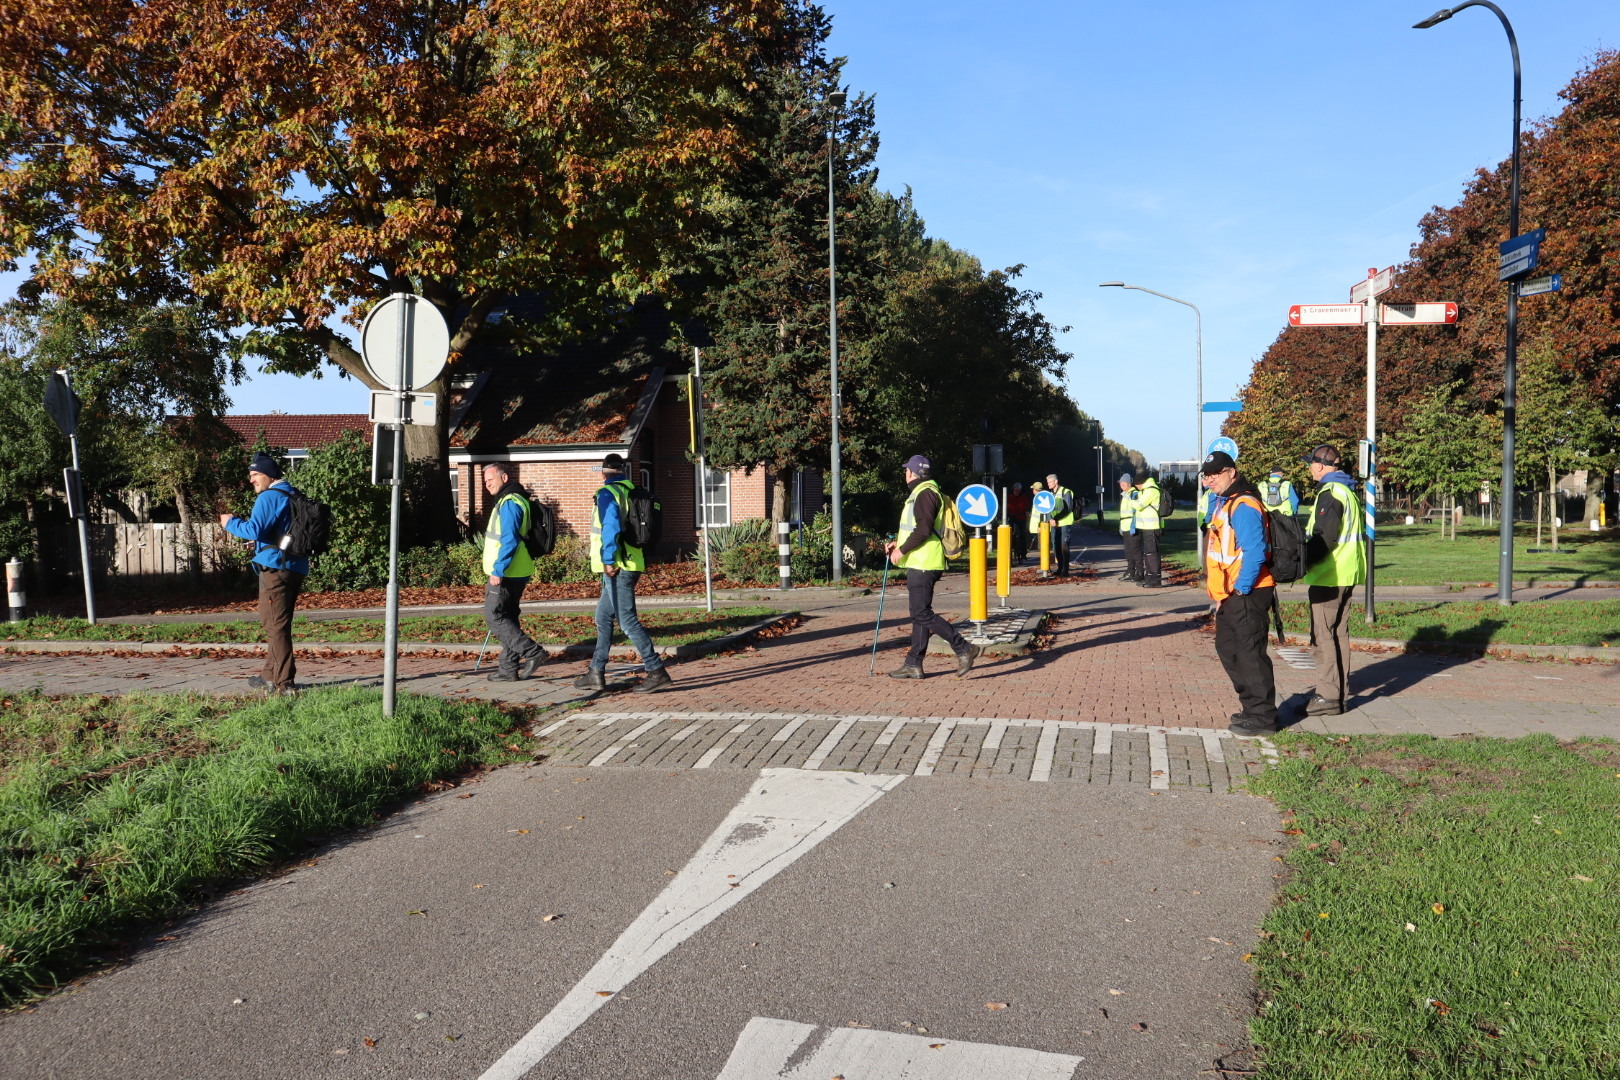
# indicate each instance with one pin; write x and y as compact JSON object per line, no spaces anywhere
{"x":1217,"y":461}
{"x":612,"y":463}
{"x":264,"y":463}
{"x":1322,"y":455}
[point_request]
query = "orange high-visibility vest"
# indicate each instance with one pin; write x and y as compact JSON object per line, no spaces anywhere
{"x":1223,"y":559}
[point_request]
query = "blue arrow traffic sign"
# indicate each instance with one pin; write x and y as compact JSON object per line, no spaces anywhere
{"x":1045,"y":502}
{"x":1224,"y":444}
{"x":1519,"y":255}
{"x":1223,"y":406}
{"x":977,"y":505}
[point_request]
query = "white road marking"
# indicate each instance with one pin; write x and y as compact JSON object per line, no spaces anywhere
{"x":1212,"y":747}
{"x":785,"y":814}
{"x":998,"y":731}
{"x":890,"y":730}
{"x":1104,"y":743}
{"x":719,"y":748}
{"x":830,"y":743}
{"x":936,"y":747}
{"x":611,"y":752}
{"x":685,"y":731}
{"x":1045,"y":751}
{"x":782,"y":1050}
{"x":549,"y":728}
{"x":789,"y":728}
{"x":1158,"y":761}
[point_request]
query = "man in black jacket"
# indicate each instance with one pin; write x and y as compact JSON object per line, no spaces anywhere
{"x":918,"y":549}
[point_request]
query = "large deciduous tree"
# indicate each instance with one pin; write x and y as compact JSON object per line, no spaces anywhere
{"x":290,"y":162}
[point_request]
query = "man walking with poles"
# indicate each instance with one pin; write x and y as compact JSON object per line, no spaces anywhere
{"x":918,"y":549}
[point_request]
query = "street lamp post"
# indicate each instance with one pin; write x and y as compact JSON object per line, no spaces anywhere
{"x":1102,"y":485}
{"x":1198,"y":386}
{"x":1510,"y":399}
{"x":836,"y":99}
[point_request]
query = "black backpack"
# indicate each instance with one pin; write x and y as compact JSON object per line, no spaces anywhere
{"x":1167,"y":505}
{"x":309,"y":526}
{"x":541,"y":537}
{"x":642,"y":516}
{"x":1287,"y":536}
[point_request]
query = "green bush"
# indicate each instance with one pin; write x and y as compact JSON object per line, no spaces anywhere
{"x":437,"y":565}
{"x":750,"y":564}
{"x":727,"y":537}
{"x":339,"y":474}
{"x":568,"y":561}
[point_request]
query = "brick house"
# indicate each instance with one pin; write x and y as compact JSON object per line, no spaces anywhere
{"x":555,"y":417}
{"x":298,"y":432}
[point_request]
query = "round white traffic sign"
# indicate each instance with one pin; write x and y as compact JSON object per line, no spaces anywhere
{"x":414,"y":362}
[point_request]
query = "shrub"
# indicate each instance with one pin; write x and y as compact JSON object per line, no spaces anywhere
{"x":726,"y":537}
{"x":436,"y":565}
{"x":569,"y":561}
{"x":750,"y":564}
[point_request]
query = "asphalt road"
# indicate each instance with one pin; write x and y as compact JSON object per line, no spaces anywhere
{"x":719,"y":923}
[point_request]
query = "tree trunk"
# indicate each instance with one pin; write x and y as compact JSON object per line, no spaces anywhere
{"x":189,"y":533}
{"x":1552,"y":505}
{"x":779,"y":497}
{"x":427,"y":447}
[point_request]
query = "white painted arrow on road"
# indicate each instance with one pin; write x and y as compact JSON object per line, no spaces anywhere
{"x":782,"y":1050}
{"x":784,"y":815}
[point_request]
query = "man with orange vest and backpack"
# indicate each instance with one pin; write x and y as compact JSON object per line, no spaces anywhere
{"x":1241,"y":585}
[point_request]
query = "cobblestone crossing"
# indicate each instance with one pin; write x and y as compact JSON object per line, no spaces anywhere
{"x":1158,"y":758}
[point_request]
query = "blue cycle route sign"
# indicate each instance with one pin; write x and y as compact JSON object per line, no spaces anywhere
{"x":1045,"y":502}
{"x":978,"y":505}
{"x":1225,"y":445}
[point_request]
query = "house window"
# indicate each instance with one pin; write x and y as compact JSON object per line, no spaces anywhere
{"x":714,"y":497}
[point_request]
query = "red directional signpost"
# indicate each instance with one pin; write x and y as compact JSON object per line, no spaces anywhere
{"x":1364,"y":309}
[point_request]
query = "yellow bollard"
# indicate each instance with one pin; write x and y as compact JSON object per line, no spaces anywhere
{"x":978,"y":590}
{"x":1046,"y":548}
{"x":1004,"y":562}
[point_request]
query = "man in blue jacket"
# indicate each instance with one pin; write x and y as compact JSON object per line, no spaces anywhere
{"x":621,"y":564}
{"x":280,"y":576}
{"x":510,"y":565}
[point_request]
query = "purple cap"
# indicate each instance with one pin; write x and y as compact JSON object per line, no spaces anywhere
{"x":919,"y":465}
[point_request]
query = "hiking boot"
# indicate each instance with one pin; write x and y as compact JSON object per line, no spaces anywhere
{"x":655,"y":680}
{"x":258,"y":682}
{"x":504,"y":676}
{"x":964,"y":661}
{"x":1321,"y":706}
{"x":526,"y":668}
{"x":1151,"y":584}
{"x":1248,"y":725}
{"x":906,"y":671}
{"x":593,"y":679}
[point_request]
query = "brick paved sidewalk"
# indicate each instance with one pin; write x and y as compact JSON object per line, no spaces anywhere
{"x":1109,"y":661}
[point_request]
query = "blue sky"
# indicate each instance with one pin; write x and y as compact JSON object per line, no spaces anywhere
{"x":1243,"y":155}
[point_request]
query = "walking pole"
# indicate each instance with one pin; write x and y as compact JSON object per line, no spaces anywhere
{"x":481,"y":651}
{"x":883,"y":591}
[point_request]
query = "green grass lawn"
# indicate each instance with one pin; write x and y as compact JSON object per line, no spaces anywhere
{"x":668,"y":626}
{"x":1451,"y":909}
{"x":1542,"y":622}
{"x":1416,"y":555}
{"x":116,"y":811}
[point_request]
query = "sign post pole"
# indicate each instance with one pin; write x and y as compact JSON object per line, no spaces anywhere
{"x":1369,"y":484}
{"x":696,"y":392}
{"x":1004,"y":554}
{"x":63,"y":405}
{"x":391,"y":619}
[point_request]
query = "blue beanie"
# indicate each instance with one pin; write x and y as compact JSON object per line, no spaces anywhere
{"x":264,"y":463}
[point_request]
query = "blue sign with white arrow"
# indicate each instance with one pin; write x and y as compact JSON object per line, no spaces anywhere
{"x":1518,"y":256}
{"x":978,"y":505}
{"x":1225,"y":445}
{"x":1045,"y":502}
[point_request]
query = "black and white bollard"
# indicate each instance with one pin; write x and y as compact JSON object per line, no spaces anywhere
{"x":784,"y":554}
{"x":15,"y":592}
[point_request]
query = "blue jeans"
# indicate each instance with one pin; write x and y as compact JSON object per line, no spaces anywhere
{"x":619,"y":602}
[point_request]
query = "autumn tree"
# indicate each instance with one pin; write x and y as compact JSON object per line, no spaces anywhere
{"x":1445,"y":447}
{"x":290,"y":163}
{"x":1562,"y":423}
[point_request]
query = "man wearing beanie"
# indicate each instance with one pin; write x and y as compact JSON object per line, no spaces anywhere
{"x":280,"y":575}
{"x":918,"y":549}
{"x":1241,"y":585}
{"x":1128,"y":536}
{"x":620,"y":563}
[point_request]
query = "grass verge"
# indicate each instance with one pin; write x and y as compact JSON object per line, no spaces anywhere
{"x":116,"y":811}
{"x":1594,"y":623}
{"x":1451,"y":912}
{"x":673,"y":626}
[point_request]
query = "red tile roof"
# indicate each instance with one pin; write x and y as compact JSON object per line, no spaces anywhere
{"x":297,"y":431}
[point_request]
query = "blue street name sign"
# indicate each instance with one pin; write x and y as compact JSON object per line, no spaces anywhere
{"x":1223,"y":406}
{"x":1224,"y":444}
{"x":1045,"y":502}
{"x":1550,"y":283}
{"x":1518,"y":256}
{"x":978,"y":505}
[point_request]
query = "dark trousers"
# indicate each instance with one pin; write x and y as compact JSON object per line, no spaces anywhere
{"x":1240,"y":642}
{"x":502,"y":608}
{"x":1133,"y":553}
{"x":924,"y":621}
{"x":278,"y":595}
{"x":1060,"y":541}
{"x":1330,"y":606}
{"x":1020,"y":546}
{"x":1150,"y":555}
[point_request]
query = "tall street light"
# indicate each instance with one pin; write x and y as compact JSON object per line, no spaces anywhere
{"x":1102,"y":485}
{"x":836,"y":100}
{"x":1510,"y":375}
{"x":1198,"y":400}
